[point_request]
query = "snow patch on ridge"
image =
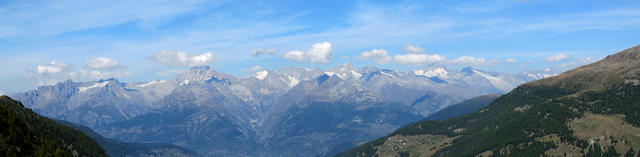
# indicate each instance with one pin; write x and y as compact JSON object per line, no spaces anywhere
{"x":356,"y":74}
{"x":185,"y":82}
{"x":293,"y":81}
{"x":329,"y":73}
{"x":440,"y":72}
{"x":261,"y":75}
{"x":151,"y":83}
{"x":95,"y":85}
{"x":496,"y":82}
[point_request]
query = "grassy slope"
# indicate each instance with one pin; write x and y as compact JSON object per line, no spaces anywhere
{"x":514,"y":123}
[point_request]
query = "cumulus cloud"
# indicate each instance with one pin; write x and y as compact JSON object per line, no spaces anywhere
{"x":254,"y":68}
{"x":469,"y":60}
{"x":557,"y":58}
{"x":379,"y":56}
{"x":511,"y":60}
{"x":295,"y":55}
{"x":179,"y":58}
{"x":102,"y":63}
{"x":259,"y":52}
{"x":319,"y":53}
{"x":413,"y":58}
{"x":413,"y":49}
{"x":51,"y":68}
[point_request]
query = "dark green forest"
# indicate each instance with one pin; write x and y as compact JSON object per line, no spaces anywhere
{"x":25,"y":133}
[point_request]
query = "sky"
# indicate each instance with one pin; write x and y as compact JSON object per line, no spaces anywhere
{"x":46,"y":41}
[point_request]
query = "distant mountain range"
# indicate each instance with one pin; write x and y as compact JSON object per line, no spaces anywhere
{"x":292,"y":111}
{"x":115,"y":148}
{"x":588,"y":111}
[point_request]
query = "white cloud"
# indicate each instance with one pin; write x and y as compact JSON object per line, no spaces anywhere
{"x":557,"y":58}
{"x":511,"y":60}
{"x":51,"y":68}
{"x":469,"y":60}
{"x":319,"y":53}
{"x":379,"y":56}
{"x":183,"y":59}
{"x":295,"y":55}
{"x":413,"y":58}
{"x":413,"y":49}
{"x":259,"y":52}
{"x":102,"y":63}
{"x":254,"y":68}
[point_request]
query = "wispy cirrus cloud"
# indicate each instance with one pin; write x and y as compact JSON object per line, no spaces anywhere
{"x":413,"y":49}
{"x":473,"y":61}
{"x":557,"y":58}
{"x":418,"y":59}
{"x":260,"y":52}
{"x":254,"y":68}
{"x":102,"y":63}
{"x":42,"y":18}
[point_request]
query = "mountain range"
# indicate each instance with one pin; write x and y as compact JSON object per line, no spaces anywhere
{"x":292,"y":111}
{"x":588,"y":111}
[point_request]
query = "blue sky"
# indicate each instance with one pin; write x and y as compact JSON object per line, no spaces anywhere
{"x":42,"y":42}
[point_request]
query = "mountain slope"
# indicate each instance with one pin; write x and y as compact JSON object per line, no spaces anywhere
{"x":25,"y":133}
{"x":319,"y":121}
{"x":88,"y":103}
{"x":116,"y":148}
{"x":465,"y":107}
{"x":268,"y":113}
{"x":591,"y":110}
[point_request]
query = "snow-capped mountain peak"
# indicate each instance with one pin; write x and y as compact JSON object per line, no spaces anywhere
{"x":497,"y":82}
{"x":433,"y":72}
{"x":261,"y":75}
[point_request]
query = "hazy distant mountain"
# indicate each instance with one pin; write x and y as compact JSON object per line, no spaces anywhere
{"x":116,"y":148}
{"x":88,"y":103}
{"x":288,"y":111}
{"x":588,"y":111}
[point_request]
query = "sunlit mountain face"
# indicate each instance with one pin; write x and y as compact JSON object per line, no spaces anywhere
{"x":325,"y":78}
{"x":273,"y":110}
